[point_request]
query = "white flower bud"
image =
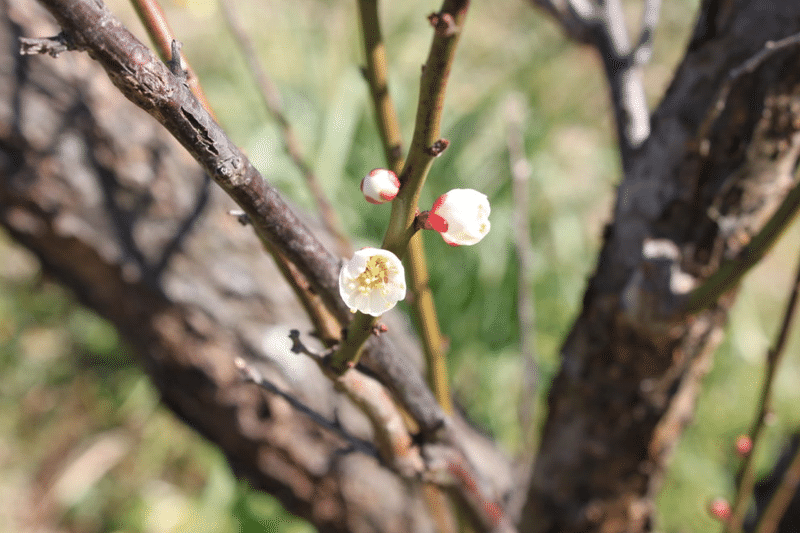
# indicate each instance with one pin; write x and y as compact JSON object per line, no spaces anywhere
{"x":467,"y":214}
{"x":380,"y":186}
{"x":372,"y":281}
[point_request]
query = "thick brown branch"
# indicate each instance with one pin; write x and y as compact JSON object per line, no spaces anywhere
{"x":147,"y":82}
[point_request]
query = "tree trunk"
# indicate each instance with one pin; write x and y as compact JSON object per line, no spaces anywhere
{"x":117,"y":211}
{"x":694,"y":197}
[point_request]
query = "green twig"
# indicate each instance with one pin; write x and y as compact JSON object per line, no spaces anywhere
{"x":376,"y":73}
{"x":424,"y":309}
{"x":781,"y":498}
{"x":746,"y":476}
{"x":425,"y":146}
{"x":425,"y":313}
{"x":448,"y":24}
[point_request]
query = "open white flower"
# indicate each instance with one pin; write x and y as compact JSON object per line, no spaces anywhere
{"x":380,"y":186}
{"x":372,"y":281}
{"x":467,"y":214}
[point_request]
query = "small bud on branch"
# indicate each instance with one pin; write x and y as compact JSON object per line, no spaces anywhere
{"x":466,"y":212}
{"x":443,"y":23}
{"x":438,"y":147}
{"x":380,"y":186}
{"x":744,"y":445}
{"x":720,"y":509}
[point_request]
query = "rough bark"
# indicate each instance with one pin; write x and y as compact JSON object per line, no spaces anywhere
{"x":632,"y":364}
{"x":116,"y":210}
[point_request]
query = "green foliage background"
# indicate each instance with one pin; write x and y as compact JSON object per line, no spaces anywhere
{"x":69,"y":387}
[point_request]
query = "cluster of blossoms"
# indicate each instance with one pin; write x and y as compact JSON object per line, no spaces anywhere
{"x":373,"y":280}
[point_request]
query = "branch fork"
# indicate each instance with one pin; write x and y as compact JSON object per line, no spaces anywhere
{"x":52,"y":46}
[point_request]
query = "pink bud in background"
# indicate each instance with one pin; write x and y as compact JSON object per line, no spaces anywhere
{"x":466,"y":212}
{"x":720,"y":509}
{"x":744,"y":445}
{"x":380,"y":186}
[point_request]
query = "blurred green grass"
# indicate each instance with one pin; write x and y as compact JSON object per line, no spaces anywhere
{"x":69,"y":385}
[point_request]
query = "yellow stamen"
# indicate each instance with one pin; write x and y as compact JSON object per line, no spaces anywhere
{"x":375,"y":275}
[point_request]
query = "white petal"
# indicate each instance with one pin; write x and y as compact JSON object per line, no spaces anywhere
{"x":375,"y":291}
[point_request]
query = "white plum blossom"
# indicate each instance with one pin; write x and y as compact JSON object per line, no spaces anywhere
{"x":380,"y":186}
{"x":372,"y":281}
{"x":466,"y":212}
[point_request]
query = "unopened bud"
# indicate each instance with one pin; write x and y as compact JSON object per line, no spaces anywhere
{"x":466,"y":212}
{"x":744,"y":445}
{"x":380,"y":186}
{"x":720,"y":509}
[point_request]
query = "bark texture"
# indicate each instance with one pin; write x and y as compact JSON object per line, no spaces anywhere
{"x":694,"y":196}
{"x":120,"y":213}
{"x":117,"y":211}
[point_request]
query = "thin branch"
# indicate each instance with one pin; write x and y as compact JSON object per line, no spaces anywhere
{"x":643,"y":50}
{"x":376,"y":74}
{"x":602,"y":25}
{"x":396,"y":446}
{"x":433,"y":342}
{"x":448,"y":24}
{"x":526,"y":310}
{"x":253,"y":375}
{"x":155,"y":22}
{"x":424,"y":308}
{"x":781,"y":498}
{"x":271,"y":98}
{"x":52,"y":46}
{"x":746,"y":476}
{"x":624,"y":79}
{"x":574,"y":16}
